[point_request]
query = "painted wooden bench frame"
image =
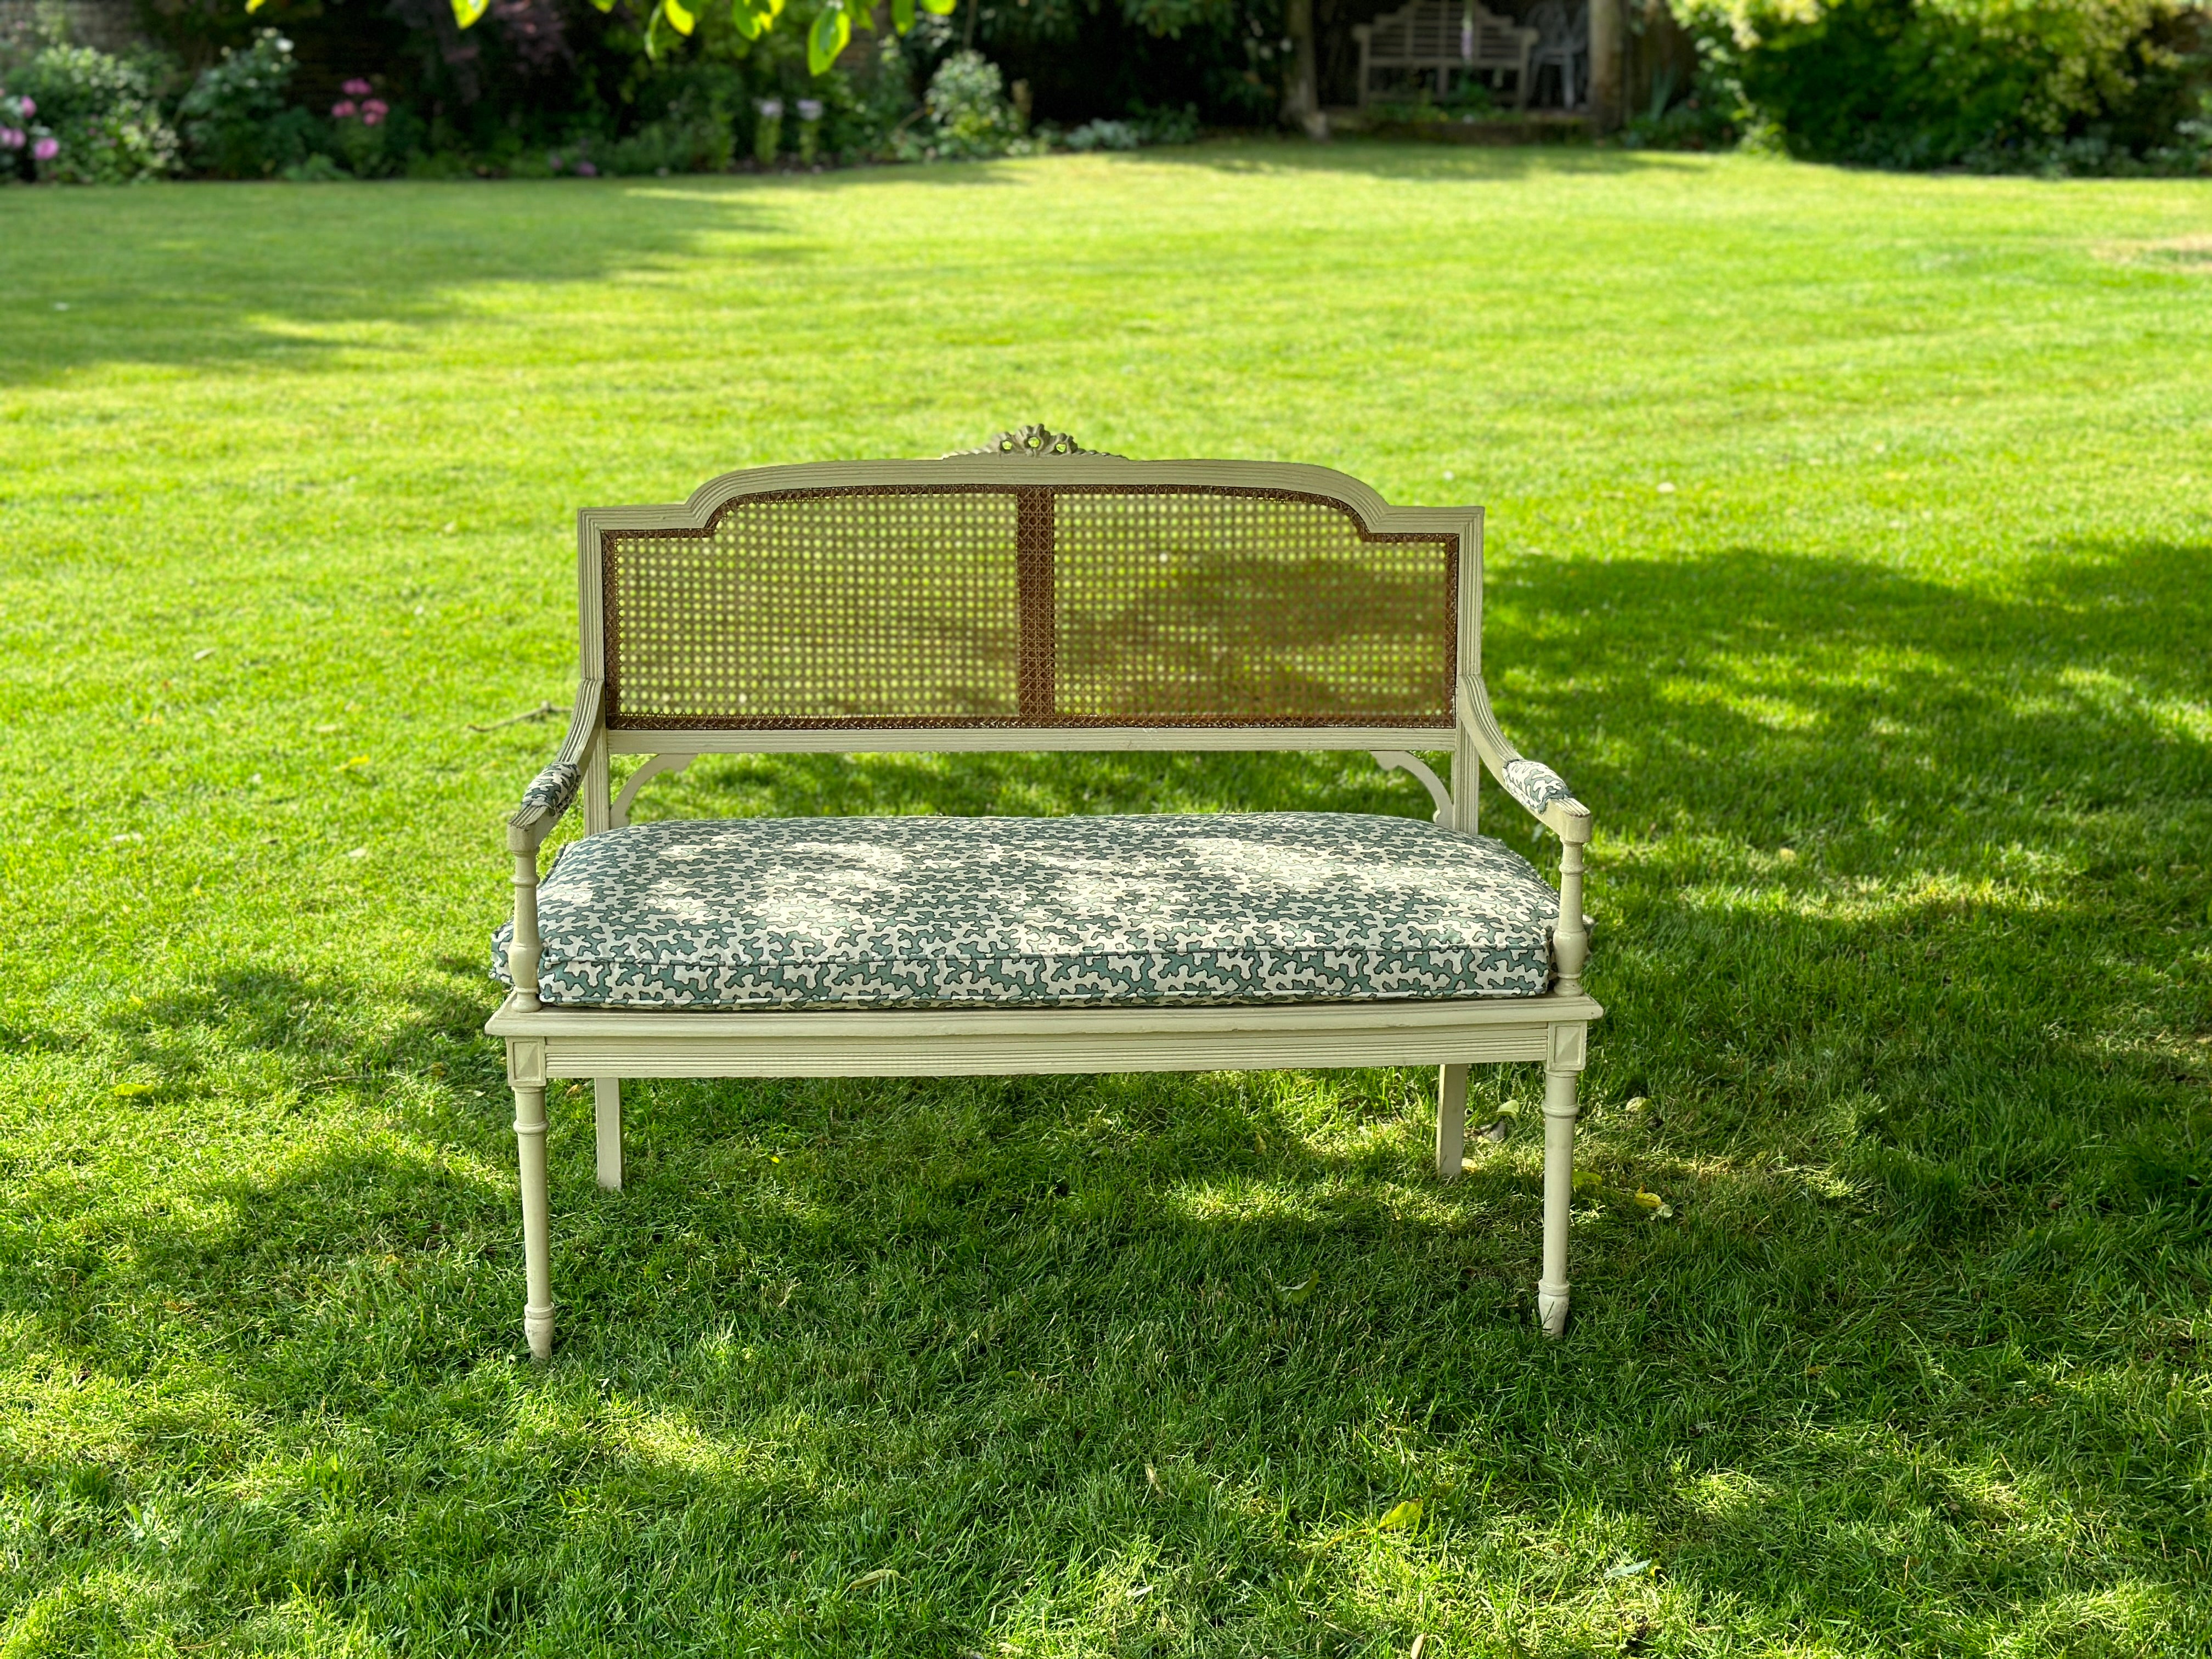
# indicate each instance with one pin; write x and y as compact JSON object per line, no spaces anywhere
{"x":545,"y":1042}
{"x":1441,"y":36}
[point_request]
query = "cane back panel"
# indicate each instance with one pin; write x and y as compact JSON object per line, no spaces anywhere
{"x":988,"y":604}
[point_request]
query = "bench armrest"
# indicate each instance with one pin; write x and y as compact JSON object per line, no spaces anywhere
{"x":553,"y":791}
{"x":1542,"y":793}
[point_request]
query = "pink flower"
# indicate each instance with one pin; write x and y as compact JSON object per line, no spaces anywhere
{"x":586,"y":170}
{"x":342,"y":109}
{"x":27,"y":107}
{"x":375,"y":111}
{"x":45,"y":149}
{"x":11,"y":138}
{"x":356,"y":88}
{"x":370,"y":118}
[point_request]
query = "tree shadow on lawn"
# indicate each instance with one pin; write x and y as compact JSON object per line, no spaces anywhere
{"x":194,"y":275}
{"x":1869,"y":1373}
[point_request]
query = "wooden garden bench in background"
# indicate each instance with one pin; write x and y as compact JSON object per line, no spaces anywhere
{"x":1441,"y":37}
{"x":1033,"y":596}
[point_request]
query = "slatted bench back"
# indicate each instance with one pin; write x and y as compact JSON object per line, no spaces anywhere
{"x":1034,"y":597}
{"x":1444,"y":34}
{"x":1425,"y":33}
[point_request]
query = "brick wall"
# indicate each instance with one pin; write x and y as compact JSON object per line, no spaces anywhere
{"x":110,"y":25}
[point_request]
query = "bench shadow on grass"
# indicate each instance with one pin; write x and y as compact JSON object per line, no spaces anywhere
{"x":945,"y":1327}
{"x":205,"y":279}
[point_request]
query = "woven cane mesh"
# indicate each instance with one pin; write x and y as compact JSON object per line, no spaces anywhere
{"x":1002,"y":605}
{"x":1249,"y":609}
{"x":820,"y":608}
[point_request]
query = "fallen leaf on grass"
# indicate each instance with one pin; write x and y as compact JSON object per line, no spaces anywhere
{"x":133,"y":1091}
{"x":1588,"y":1184}
{"x":1400,"y":1518}
{"x":1295,"y":1294}
{"x":1152,"y":1479}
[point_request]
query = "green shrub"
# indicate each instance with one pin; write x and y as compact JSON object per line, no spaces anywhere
{"x":236,"y":118}
{"x":695,"y":128}
{"x":969,"y":115}
{"x":1103,"y":134}
{"x":103,"y":111}
{"x":2047,"y":85}
{"x":1166,"y":124}
{"x":702,"y":142}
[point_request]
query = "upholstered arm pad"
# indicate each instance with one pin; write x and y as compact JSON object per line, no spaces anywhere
{"x":1534,"y":784}
{"x":551,"y":792}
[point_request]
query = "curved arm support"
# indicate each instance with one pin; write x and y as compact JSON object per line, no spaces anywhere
{"x":1397,"y":760}
{"x":554,"y":790}
{"x":1544,"y":795}
{"x":644,"y":775}
{"x":1542,"y":792}
{"x":549,"y":795}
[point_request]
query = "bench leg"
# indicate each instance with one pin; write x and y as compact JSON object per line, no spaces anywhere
{"x":1559,"y":1112}
{"x":537,"y":1248}
{"x":606,"y":1120}
{"x":1451,"y":1121}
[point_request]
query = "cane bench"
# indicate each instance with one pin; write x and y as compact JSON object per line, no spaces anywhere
{"x":1035,"y":596}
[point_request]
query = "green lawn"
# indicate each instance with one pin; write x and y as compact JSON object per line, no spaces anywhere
{"x":1892,"y":710}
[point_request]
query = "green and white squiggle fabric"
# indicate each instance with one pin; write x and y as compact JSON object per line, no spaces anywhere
{"x":929,"y":912}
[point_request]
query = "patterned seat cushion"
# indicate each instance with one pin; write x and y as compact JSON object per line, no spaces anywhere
{"x":931,"y":912}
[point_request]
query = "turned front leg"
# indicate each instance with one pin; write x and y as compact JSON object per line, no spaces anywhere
{"x":525,"y":1066}
{"x":1562,"y":1071}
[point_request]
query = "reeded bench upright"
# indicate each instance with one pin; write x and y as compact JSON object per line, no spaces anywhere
{"x":1034,"y":596}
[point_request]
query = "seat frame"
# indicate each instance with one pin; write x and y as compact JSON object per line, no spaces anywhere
{"x":545,"y":1042}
